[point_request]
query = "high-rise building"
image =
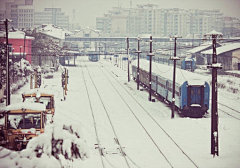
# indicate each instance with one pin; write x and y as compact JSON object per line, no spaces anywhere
{"x":150,"y":19}
{"x":52,"y":16}
{"x":21,"y":12}
{"x":22,"y":16}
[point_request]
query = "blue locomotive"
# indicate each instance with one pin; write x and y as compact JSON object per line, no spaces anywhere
{"x":184,"y":62}
{"x":93,"y":56}
{"x":192,"y":90}
{"x":188,"y":64}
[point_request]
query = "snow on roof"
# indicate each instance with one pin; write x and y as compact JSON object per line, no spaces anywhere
{"x":39,"y":90}
{"x":52,"y":31}
{"x":213,"y":32}
{"x":223,"y":49}
{"x":200,"y":48}
{"x":68,"y":32}
{"x":18,"y":35}
{"x":167,"y":72}
{"x":26,"y":105}
{"x":191,"y":36}
{"x":73,"y":52}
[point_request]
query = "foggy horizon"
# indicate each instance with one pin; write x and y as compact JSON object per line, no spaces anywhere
{"x":87,"y":11}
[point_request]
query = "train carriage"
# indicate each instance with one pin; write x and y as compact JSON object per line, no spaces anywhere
{"x":154,"y":82}
{"x":188,"y":64}
{"x":134,"y":72}
{"x":144,"y":77}
{"x":191,"y":90}
{"x":161,"y":87}
{"x":177,"y":93}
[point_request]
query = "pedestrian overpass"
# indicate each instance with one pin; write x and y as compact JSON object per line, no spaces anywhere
{"x":123,"y":39}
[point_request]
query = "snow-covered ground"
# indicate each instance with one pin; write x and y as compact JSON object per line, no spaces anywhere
{"x":131,"y":131}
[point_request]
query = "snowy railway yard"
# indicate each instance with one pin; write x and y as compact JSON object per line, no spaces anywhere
{"x":123,"y":129}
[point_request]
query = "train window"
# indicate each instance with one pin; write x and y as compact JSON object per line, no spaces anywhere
{"x":30,"y":99}
{"x":46,"y":101}
{"x":192,"y":91}
{"x":199,"y":91}
{"x":13,"y":120}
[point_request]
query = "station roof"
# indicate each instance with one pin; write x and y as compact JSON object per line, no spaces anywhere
{"x":223,"y":49}
{"x":199,"y":48}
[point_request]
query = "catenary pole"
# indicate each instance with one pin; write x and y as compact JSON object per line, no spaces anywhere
{"x":174,"y":58}
{"x":8,"y":96}
{"x":214,"y":113}
{"x":128,"y":57}
{"x":150,"y":70}
{"x":138,"y":51}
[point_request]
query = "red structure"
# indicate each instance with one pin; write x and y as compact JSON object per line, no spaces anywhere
{"x":21,"y":44}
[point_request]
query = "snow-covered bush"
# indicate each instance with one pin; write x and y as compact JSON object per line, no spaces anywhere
{"x":60,"y":141}
{"x":57,"y":147}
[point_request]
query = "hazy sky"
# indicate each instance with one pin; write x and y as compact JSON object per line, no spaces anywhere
{"x":88,"y":10}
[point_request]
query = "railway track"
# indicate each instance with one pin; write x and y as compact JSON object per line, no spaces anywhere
{"x":173,"y":143}
{"x":99,"y":146}
{"x":229,"y":111}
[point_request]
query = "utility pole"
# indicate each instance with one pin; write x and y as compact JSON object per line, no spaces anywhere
{"x":105,"y":44}
{"x":214,"y":113}
{"x":66,"y":81}
{"x":99,"y":51}
{"x":138,"y":51}
{"x":174,"y":58}
{"x":24,"y":46}
{"x":128,"y":57}
{"x":150,"y":69}
{"x":7,"y":63}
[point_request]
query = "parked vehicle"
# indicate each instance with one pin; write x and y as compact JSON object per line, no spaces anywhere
{"x":93,"y":56}
{"x":43,"y":96}
{"x":23,"y":121}
{"x":191,"y":90}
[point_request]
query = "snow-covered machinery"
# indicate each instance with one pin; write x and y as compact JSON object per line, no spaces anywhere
{"x":23,"y":121}
{"x":43,"y":96}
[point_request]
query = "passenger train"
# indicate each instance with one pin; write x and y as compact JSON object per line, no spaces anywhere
{"x":93,"y":56}
{"x":188,"y":64}
{"x":191,"y":89}
{"x":184,"y":63}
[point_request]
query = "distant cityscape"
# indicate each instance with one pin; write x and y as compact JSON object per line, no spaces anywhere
{"x":118,"y":21}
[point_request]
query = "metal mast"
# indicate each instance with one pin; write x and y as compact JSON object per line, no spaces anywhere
{"x":174,"y":58}
{"x":214,"y":113}
{"x":138,"y":51}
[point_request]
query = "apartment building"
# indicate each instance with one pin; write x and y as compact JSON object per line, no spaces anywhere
{"x":23,"y":15}
{"x":52,"y":16}
{"x":150,"y":19}
{"x":21,"y":12}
